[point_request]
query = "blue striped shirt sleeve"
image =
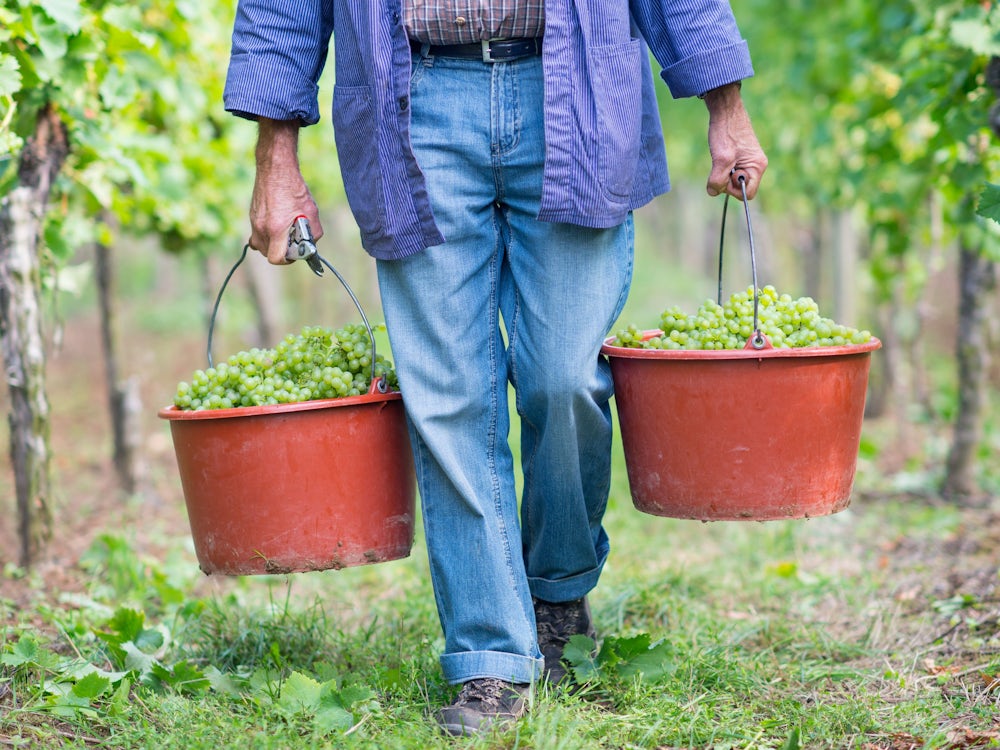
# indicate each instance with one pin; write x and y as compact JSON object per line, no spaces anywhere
{"x":696,"y":42}
{"x":278,"y":52}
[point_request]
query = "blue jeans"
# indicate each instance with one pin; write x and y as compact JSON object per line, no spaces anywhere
{"x":477,"y":134}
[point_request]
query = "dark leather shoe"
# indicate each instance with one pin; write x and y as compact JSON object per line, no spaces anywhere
{"x":483,"y":704}
{"x":556,"y":623}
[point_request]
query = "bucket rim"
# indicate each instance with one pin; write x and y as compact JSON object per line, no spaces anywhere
{"x":172,"y":413}
{"x":626,"y":352}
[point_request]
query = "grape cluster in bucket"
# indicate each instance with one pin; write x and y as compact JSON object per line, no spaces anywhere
{"x":785,"y":321}
{"x":318,"y":363}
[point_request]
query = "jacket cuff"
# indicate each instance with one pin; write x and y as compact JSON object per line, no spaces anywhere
{"x":257,"y":88}
{"x":708,"y":70}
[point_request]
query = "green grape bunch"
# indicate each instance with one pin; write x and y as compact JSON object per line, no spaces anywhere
{"x":318,"y":363}
{"x":786,"y":322}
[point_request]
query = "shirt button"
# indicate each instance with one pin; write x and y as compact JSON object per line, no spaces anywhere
{"x":460,"y":21}
{"x":404,"y":102}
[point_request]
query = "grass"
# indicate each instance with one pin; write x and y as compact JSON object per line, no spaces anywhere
{"x":784,"y":634}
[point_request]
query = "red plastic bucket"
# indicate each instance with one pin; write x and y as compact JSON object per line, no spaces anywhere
{"x":741,"y":434}
{"x":296,"y":487}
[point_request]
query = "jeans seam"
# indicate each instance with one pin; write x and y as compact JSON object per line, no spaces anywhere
{"x":497,"y":150}
{"x":527,"y":461}
{"x":420,"y":470}
{"x":514,"y":107}
{"x":495,"y":406}
{"x":629,"y":265}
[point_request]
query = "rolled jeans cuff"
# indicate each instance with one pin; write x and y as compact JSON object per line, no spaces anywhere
{"x":473,"y":665}
{"x":568,"y":589}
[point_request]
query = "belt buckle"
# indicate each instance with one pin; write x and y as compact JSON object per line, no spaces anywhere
{"x":487,"y":52}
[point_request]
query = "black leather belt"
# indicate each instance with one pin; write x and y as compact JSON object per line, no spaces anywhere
{"x":497,"y":50}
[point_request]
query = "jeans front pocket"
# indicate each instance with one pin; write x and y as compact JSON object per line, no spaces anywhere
{"x":617,"y":76}
{"x":417,"y":67}
{"x":356,"y":135}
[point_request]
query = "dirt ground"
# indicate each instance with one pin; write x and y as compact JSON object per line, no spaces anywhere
{"x":86,"y":498}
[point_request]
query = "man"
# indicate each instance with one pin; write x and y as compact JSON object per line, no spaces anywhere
{"x":494,"y":182}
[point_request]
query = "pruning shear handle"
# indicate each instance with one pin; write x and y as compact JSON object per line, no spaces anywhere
{"x":301,"y":245}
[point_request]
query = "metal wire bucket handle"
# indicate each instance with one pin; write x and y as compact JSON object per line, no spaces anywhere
{"x":758,"y":340}
{"x":379,"y":385}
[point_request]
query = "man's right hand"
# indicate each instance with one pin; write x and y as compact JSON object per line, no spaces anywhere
{"x":280,"y":194}
{"x":733,"y":144}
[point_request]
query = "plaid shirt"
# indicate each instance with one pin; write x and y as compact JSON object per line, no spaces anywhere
{"x":471,"y":21}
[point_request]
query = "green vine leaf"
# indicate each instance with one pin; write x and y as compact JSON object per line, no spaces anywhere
{"x":330,"y":707}
{"x":91,"y":686}
{"x":27,"y":651}
{"x":578,"y":653}
{"x":67,"y":13}
{"x":975,"y":36}
{"x":182,"y":677}
{"x":619,"y":658}
{"x":639,"y":657}
{"x":989,"y":202}
{"x":10,"y":75}
{"x":299,"y":693}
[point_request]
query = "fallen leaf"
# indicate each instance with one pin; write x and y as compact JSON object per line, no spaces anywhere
{"x":963,"y":739}
{"x":990,"y":681}
{"x":896,"y":741}
{"x":932,"y":667}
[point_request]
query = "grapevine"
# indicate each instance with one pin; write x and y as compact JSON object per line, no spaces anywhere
{"x":318,"y":363}
{"x":785,"y":321}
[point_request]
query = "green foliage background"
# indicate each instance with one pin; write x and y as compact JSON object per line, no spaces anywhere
{"x":866,"y":105}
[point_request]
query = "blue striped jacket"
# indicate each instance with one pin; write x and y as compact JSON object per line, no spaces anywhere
{"x":603,"y":137}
